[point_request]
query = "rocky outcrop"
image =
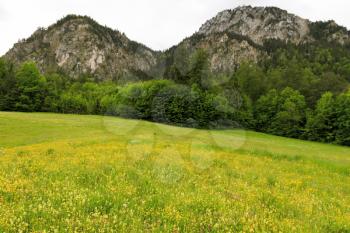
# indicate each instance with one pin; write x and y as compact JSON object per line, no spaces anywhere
{"x":226,"y":50}
{"x":78,"y":45}
{"x":238,"y":35}
{"x":259,"y":24}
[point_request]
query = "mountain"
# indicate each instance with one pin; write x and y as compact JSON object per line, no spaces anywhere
{"x":77,"y":45}
{"x":239,"y":35}
{"x":259,"y":24}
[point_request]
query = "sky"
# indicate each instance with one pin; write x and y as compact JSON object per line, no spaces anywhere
{"x":159,"y":24}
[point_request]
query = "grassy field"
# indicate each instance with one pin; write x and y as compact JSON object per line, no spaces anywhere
{"x":67,"y":173}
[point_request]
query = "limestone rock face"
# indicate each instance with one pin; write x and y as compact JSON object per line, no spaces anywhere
{"x":238,"y":35}
{"x":78,"y":45}
{"x":225,"y":50}
{"x":259,"y":24}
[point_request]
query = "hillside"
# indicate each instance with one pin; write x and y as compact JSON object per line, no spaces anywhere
{"x":78,"y":45}
{"x":260,"y":68}
{"x":240,"y":35}
{"x":94,"y":173}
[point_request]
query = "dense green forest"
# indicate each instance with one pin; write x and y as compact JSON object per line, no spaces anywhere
{"x":296,"y":91}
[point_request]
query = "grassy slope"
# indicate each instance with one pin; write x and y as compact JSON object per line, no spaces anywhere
{"x":90,"y":173}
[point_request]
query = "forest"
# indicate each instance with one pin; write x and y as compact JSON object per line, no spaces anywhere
{"x":297,"y":91}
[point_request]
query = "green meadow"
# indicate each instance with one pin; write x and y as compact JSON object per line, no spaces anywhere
{"x":70,"y":173}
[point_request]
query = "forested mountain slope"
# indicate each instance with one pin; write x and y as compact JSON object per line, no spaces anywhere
{"x":251,"y":67}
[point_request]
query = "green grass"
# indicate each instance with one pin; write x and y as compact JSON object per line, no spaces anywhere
{"x":66,"y":173}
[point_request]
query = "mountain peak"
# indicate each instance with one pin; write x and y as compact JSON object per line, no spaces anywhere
{"x":259,"y":24}
{"x":79,"y":45}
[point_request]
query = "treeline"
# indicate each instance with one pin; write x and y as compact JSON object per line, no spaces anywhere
{"x":293,"y":93}
{"x":27,"y":90}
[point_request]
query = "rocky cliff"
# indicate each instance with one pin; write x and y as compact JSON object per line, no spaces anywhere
{"x":238,"y":35}
{"x":259,"y":24}
{"x":77,"y":45}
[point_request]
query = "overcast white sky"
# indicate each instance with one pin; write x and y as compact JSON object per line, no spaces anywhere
{"x":158,"y":24}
